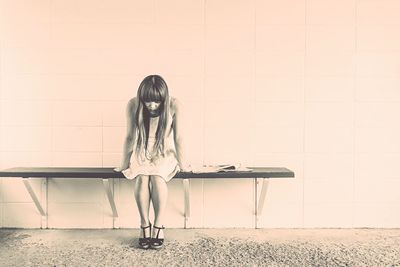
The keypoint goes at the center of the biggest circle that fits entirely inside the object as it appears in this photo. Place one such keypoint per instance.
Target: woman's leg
(142, 196)
(159, 195)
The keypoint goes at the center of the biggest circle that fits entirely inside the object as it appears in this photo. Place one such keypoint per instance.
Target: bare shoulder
(175, 105)
(132, 104)
(131, 108)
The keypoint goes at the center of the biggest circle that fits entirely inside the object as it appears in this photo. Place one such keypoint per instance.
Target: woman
(153, 153)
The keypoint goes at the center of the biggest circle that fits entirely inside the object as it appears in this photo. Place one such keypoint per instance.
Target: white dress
(165, 166)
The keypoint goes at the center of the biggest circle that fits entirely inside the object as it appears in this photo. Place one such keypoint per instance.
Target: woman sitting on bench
(152, 153)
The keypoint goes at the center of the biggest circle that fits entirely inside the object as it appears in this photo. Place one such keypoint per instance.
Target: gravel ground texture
(202, 247)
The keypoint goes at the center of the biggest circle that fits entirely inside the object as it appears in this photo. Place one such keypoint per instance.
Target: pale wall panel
(228, 201)
(335, 166)
(279, 88)
(329, 38)
(77, 113)
(373, 12)
(76, 159)
(329, 88)
(376, 166)
(222, 37)
(183, 12)
(279, 63)
(113, 113)
(329, 139)
(229, 62)
(378, 37)
(377, 114)
(111, 160)
(102, 35)
(287, 12)
(334, 12)
(78, 215)
(25, 34)
(178, 37)
(1, 213)
(370, 89)
(328, 215)
(374, 63)
(27, 87)
(186, 88)
(378, 190)
(377, 140)
(32, 60)
(278, 139)
(14, 191)
(376, 215)
(113, 139)
(335, 115)
(337, 63)
(237, 12)
(71, 190)
(280, 37)
(21, 215)
(186, 62)
(14, 138)
(106, 11)
(225, 88)
(275, 114)
(25, 11)
(323, 191)
(11, 159)
(26, 113)
(281, 215)
(88, 139)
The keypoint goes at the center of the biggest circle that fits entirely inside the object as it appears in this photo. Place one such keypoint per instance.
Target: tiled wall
(312, 85)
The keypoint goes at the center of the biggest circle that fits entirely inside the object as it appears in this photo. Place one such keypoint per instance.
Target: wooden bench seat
(27, 173)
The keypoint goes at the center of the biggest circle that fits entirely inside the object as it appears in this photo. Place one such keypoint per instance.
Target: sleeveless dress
(151, 163)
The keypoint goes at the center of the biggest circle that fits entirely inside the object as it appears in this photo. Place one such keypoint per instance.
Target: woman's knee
(142, 180)
(155, 179)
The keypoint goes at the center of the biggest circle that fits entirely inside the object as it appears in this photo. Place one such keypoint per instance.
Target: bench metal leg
(33, 195)
(262, 196)
(110, 196)
(186, 187)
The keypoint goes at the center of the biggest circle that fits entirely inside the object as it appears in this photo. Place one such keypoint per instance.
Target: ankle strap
(159, 228)
(145, 227)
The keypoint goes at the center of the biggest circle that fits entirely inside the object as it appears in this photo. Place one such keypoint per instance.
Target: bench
(108, 173)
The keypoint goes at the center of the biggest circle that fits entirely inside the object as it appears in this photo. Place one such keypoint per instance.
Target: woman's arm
(179, 141)
(130, 135)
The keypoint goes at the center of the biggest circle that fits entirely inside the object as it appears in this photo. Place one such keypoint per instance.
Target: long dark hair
(152, 88)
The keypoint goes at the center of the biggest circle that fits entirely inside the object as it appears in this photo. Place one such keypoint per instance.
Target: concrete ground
(202, 247)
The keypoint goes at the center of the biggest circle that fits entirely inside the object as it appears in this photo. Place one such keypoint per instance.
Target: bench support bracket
(261, 200)
(33, 195)
(186, 188)
(110, 196)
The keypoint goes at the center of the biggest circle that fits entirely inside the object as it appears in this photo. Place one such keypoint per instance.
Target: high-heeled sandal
(156, 242)
(144, 242)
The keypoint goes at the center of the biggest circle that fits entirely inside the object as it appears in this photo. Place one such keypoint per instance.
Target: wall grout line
(204, 104)
(304, 106)
(354, 113)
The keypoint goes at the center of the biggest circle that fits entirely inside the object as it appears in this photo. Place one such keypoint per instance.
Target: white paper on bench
(219, 168)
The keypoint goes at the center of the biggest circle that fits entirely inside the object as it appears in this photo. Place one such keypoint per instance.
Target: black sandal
(157, 243)
(144, 242)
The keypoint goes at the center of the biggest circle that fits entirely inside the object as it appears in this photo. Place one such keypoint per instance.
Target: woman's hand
(120, 169)
(185, 168)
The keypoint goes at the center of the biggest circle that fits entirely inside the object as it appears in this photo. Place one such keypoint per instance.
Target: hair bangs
(153, 93)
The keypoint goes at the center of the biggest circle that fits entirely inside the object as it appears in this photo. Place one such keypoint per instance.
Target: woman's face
(152, 106)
